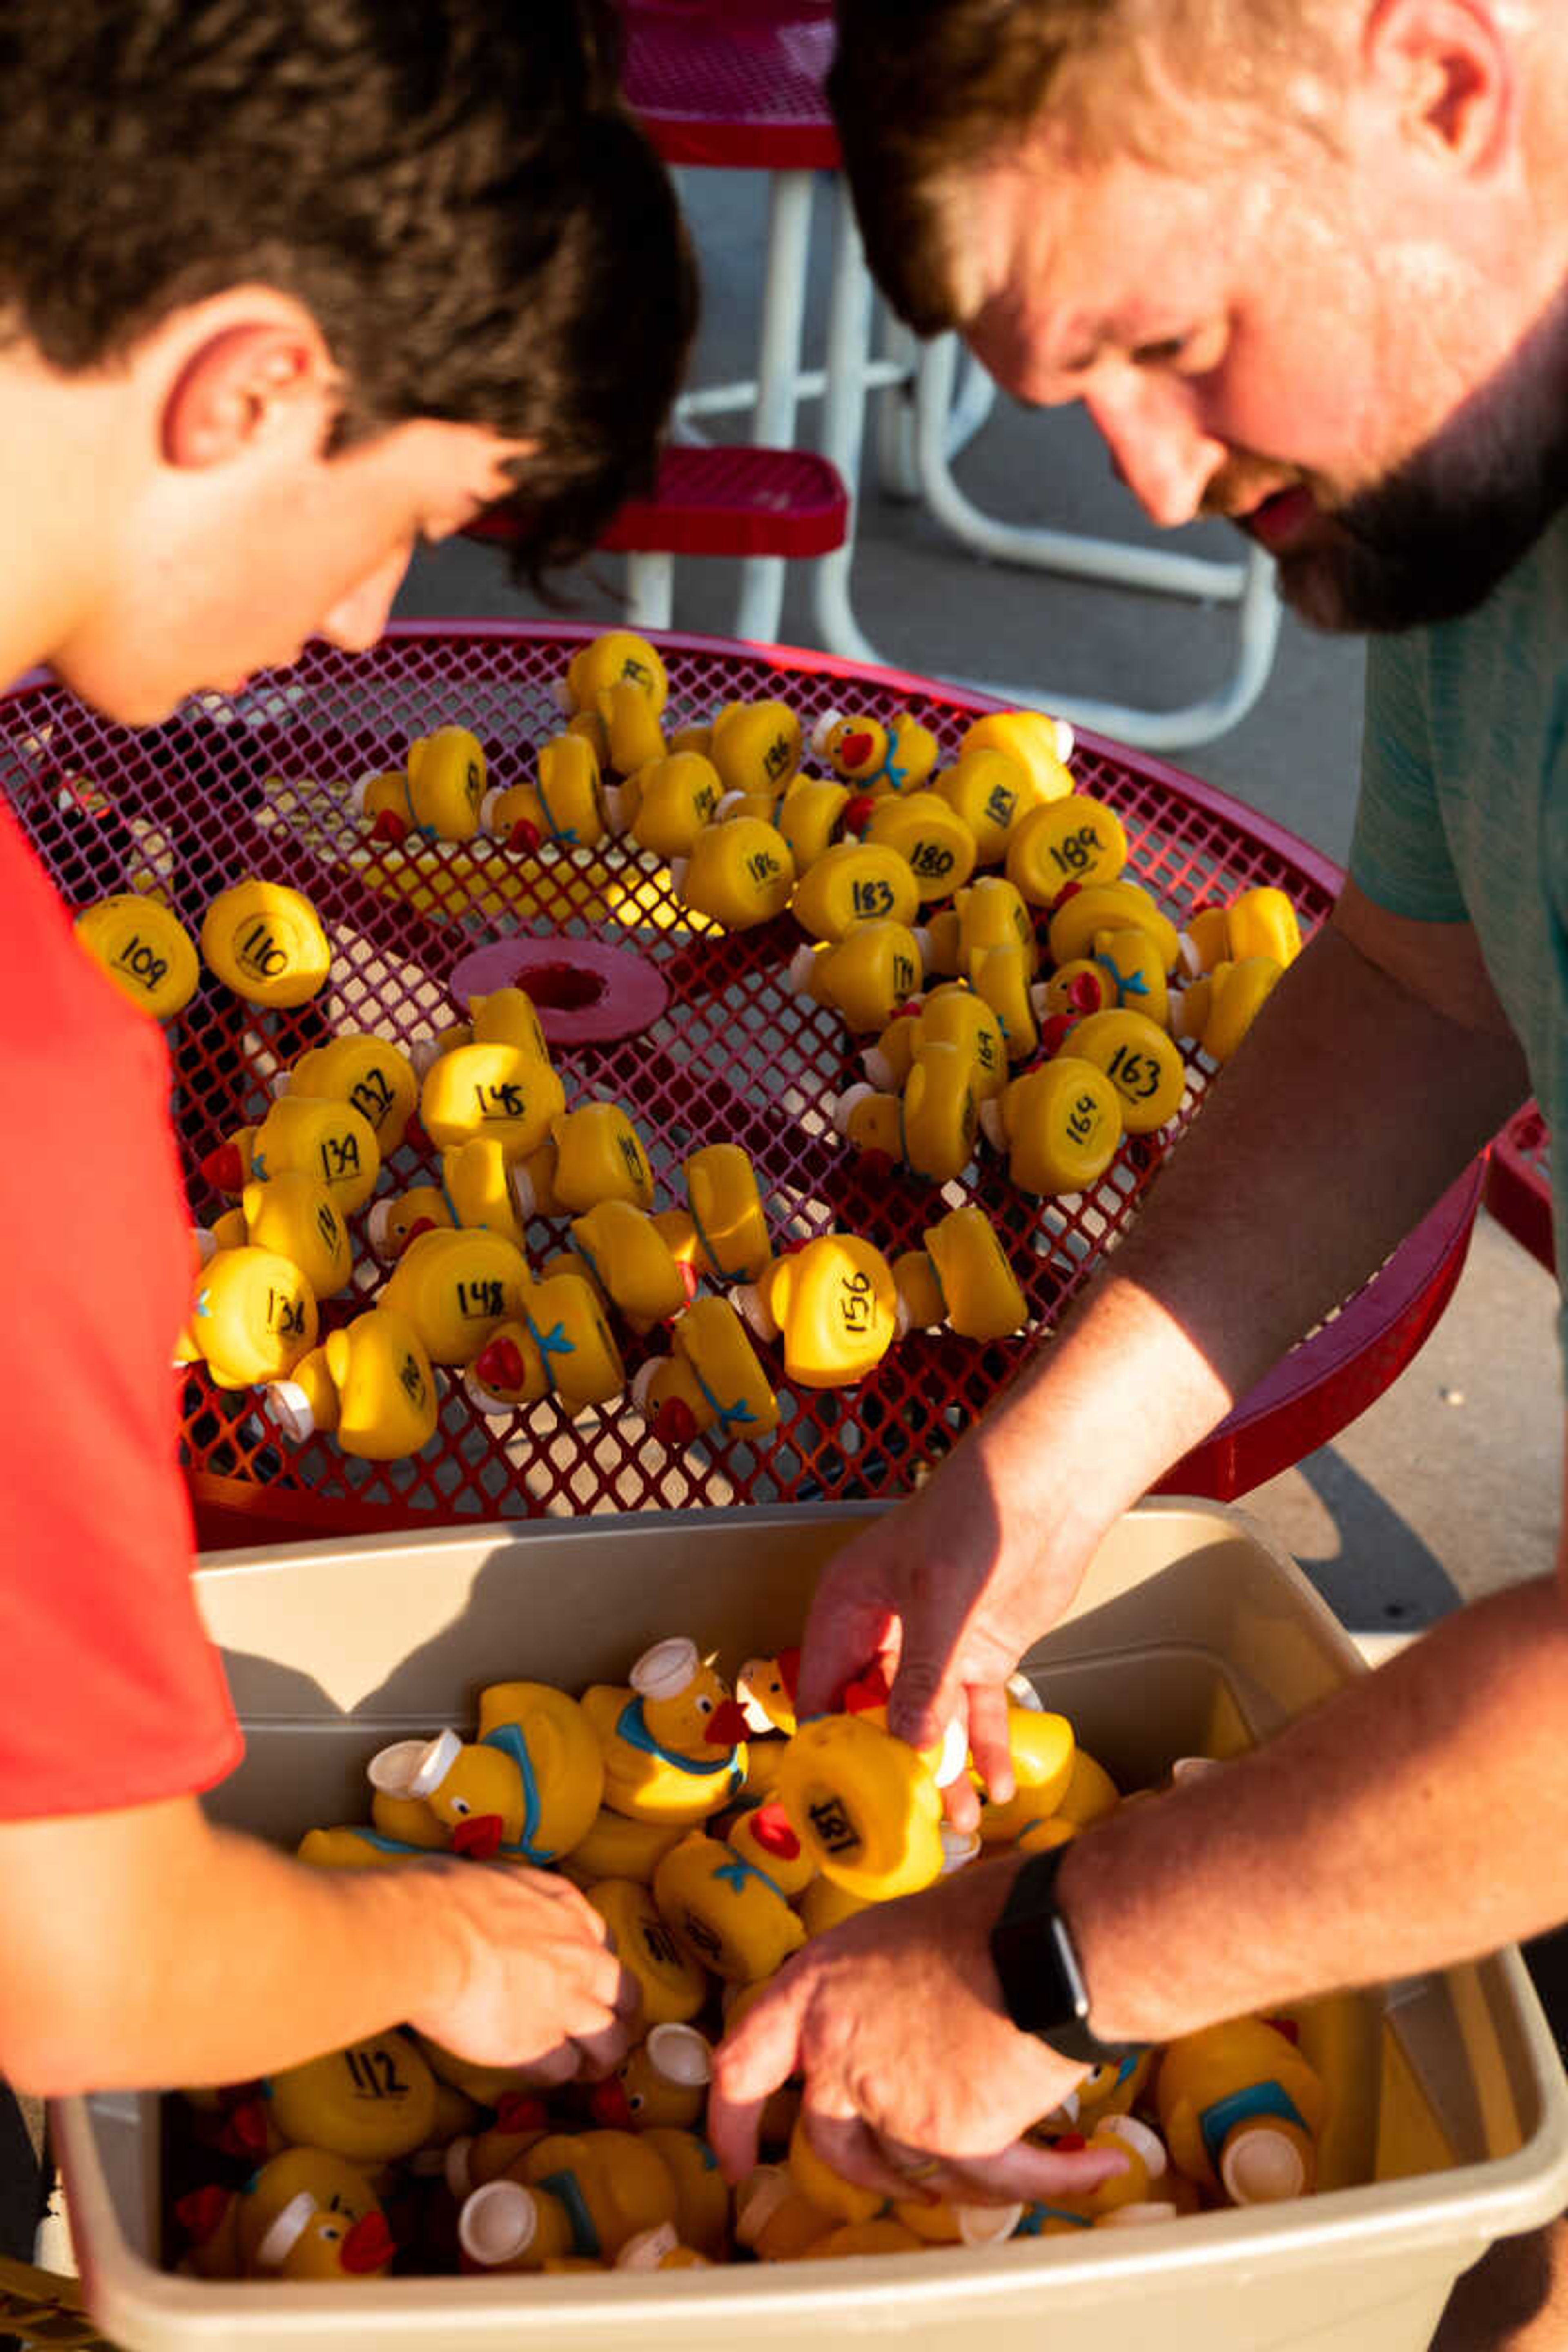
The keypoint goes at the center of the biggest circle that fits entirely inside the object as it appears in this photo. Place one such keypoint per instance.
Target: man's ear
(1445, 69)
(241, 387)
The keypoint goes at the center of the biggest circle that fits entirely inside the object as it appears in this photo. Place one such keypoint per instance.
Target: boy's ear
(241, 386)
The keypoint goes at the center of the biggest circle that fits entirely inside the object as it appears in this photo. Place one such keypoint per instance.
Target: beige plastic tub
(1191, 1635)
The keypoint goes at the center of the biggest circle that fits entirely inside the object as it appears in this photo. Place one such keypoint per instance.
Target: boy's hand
(537, 1984)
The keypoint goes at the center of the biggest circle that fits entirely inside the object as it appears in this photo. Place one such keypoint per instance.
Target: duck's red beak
(499, 1365)
(727, 1725)
(479, 1836)
(369, 2246)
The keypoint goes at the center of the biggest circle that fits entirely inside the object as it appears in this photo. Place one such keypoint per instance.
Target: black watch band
(1036, 1963)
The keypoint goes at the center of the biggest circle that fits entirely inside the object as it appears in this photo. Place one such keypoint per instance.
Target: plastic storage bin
(1190, 1635)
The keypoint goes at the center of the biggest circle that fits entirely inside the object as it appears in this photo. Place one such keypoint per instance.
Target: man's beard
(1432, 540)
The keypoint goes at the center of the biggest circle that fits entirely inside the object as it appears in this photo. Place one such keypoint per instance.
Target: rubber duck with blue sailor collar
(526, 1791)
(673, 1740)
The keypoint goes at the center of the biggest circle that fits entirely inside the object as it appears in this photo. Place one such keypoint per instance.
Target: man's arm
(1417, 1818)
(147, 1948)
(1380, 1065)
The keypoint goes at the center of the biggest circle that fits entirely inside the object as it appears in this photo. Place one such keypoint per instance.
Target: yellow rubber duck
(633, 736)
(880, 759)
(1131, 974)
(144, 950)
(306, 2214)
(776, 2220)
(618, 1848)
(437, 795)
(311, 1134)
(558, 1345)
(664, 2082)
(490, 1089)
(930, 1128)
(702, 2213)
(615, 2184)
(1110, 907)
(294, 1216)
(866, 1808)
(756, 746)
(960, 1279)
(843, 2200)
(834, 1302)
(810, 817)
(1141, 1060)
(990, 791)
(626, 1254)
(1217, 1011)
(665, 805)
(931, 836)
(370, 1074)
(991, 913)
(1060, 1125)
(765, 1689)
(724, 1230)
(1257, 922)
(952, 1014)
(1074, 839)
(672, 1986)
(1241, 2110)
(253, 1319)
(563, 804)
(710, 1384)
(476, 1188)
(615, 655)
(597, 1154)
(370, 1385)
(725, 1911)
(875, 966)
(471, 2158)
(1042, 1748)
(266, 942)
(457, 1287)
(855, 882)
(1041, 745)
(371, 2101)
(527, 1789)
(739, 874)
(762, 1836)
(673, 1742)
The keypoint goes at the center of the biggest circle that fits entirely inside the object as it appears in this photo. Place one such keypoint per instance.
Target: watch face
(1037, 1967)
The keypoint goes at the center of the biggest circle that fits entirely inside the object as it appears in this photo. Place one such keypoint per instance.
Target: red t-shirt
(110, 1694)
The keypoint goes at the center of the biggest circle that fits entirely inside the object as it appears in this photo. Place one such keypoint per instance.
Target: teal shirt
(1464, 806)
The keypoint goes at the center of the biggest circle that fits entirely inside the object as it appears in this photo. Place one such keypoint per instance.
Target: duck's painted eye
(330, 2235)
(636, 2102)
(704, 1706)
(461, 1805)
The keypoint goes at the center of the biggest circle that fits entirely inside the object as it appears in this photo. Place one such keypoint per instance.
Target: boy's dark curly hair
(452, 187)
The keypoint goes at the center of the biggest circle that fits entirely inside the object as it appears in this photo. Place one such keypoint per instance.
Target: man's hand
(894, 2020)
(942, 1595)
(539, 1984)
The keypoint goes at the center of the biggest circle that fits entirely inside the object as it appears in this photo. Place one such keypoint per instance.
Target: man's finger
(988, 1741)
(845, 1633)
(850, 2145)
(748, 2065)
(603, 2048)
(1025, 2173)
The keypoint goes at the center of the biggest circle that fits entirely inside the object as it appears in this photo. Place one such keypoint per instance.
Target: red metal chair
(725, 500)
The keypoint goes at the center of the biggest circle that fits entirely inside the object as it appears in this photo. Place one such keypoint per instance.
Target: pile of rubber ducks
(715, 1834)
(1016, 992)
(992, 881)
(460, 1294)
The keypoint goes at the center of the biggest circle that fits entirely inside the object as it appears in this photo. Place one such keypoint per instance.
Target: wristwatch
(1035, 1957)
